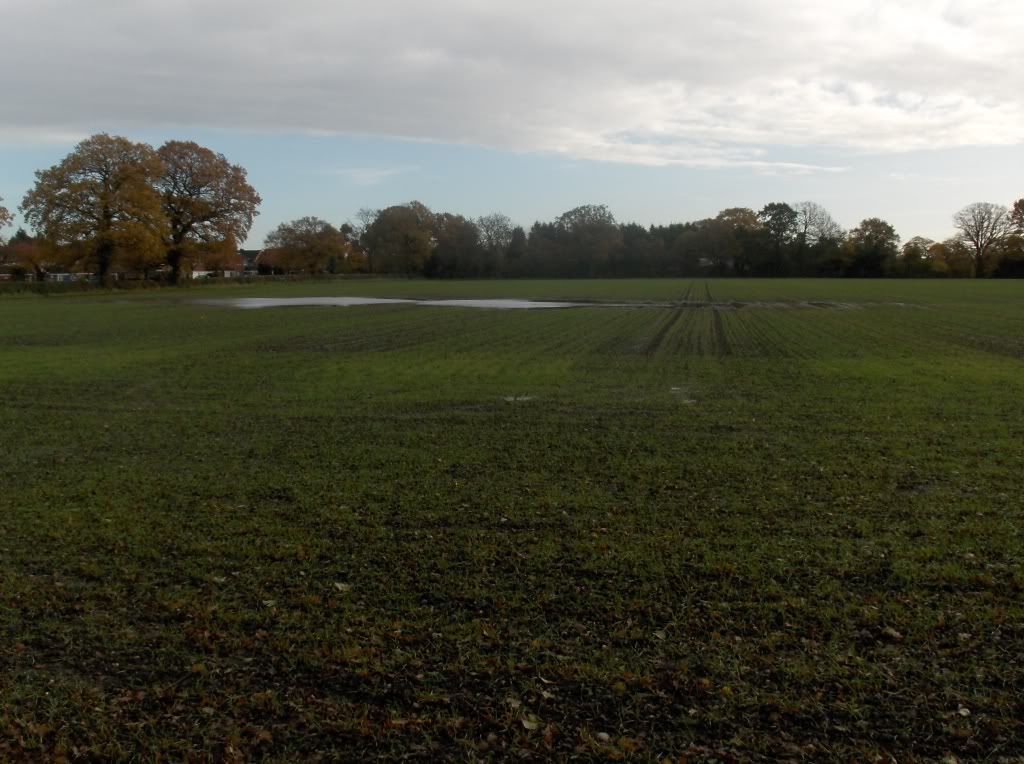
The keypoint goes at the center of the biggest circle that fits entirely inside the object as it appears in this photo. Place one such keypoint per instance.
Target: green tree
(516, 252)
(914, 259)
(983, 226)
(101, 201)
(779, 223)
(710, 246)
(400, 239)
(874, 245)
(588, 235)
(1010, 262)
(641, 252)
(457, 248)
(207, 201)
(747, 230)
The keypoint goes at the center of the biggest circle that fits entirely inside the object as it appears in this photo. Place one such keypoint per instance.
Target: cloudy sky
(666, 110)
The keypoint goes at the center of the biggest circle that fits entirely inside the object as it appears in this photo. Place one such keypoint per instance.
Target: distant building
(249, 259)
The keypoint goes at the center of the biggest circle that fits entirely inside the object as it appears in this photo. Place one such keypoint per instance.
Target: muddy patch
(681, 395)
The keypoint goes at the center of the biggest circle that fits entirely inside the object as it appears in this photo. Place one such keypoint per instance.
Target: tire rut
(659, 338)
(721, 339)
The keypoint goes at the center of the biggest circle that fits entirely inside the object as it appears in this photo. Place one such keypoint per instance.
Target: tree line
(780, 239)
(114, 206)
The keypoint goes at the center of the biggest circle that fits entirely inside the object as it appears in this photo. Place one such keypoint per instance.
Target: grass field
(786, 528)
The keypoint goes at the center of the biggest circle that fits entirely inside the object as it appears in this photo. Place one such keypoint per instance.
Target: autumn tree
(207, 200)
(220, 255)
(308, 244)
(983, 226)
(100, 201)
(739, 217)
(27, 255)
(952, 257)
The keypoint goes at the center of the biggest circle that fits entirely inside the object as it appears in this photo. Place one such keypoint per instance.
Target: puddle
(252, 303)
(501, 304)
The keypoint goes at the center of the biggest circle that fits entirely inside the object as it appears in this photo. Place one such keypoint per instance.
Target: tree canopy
(1017, 215)
(206, 199)
(101, 202)
(983, 226)
(400, 239)
(308, 244)
(874, 245)
(5, 218)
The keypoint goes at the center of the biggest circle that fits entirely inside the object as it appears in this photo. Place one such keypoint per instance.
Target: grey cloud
(701, 83)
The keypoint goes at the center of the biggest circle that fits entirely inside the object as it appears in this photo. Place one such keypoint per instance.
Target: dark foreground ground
(788, 527)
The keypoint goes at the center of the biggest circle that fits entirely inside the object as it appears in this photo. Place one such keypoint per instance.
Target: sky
(664, 110)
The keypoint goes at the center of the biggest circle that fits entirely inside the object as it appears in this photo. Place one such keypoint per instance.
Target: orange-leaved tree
(99, 202)
(207, 200)
(29, 255)
(309, 244)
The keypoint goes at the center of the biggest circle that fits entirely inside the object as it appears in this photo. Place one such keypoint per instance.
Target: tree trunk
(174, 257)
(979, 263)
(104, 258)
